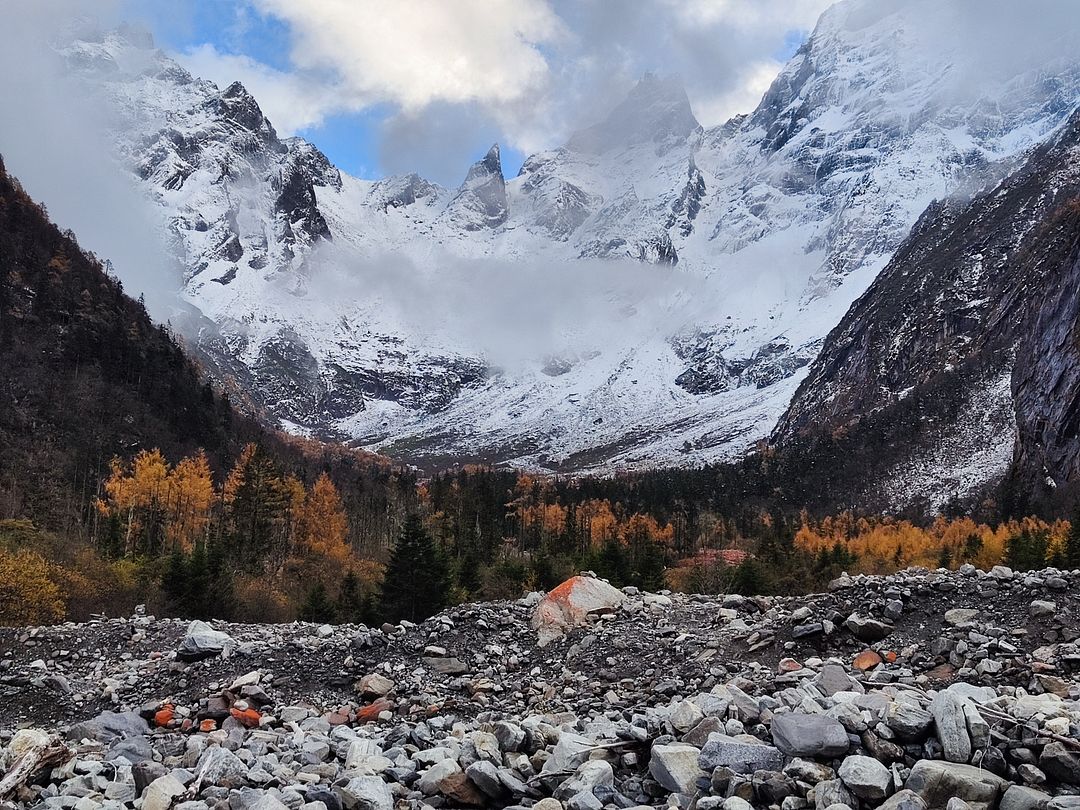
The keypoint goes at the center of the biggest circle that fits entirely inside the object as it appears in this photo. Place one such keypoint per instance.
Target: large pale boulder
(936, 782)
(570, 604)
(203, 641)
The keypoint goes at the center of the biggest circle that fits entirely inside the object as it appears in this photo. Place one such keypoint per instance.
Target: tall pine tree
(417, 582)
(1072, 543)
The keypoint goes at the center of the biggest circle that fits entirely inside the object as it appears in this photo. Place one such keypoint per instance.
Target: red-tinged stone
(942, 673)
(187, 725)
(371, 712)
(788, 665)
(340, 717)
(890, 656)
(867, 659)
(207, 725)
(164, 715)
(249, 718)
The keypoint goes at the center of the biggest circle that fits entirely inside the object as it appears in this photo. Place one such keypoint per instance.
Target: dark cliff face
(981, 291)
(1046, 380)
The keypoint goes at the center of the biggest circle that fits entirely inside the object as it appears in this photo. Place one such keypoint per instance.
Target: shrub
(27, 593)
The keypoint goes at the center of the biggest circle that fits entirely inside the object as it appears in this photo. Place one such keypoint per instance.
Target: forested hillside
(85, 378)
(125, 477)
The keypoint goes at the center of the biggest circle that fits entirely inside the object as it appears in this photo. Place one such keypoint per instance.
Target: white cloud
(524, 72)
(292, 101)
(743, 97)
(781, 15)
(415, 52)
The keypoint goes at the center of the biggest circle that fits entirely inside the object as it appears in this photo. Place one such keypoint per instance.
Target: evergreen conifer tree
(1072, 543)
(173, 581)
(417, 581)
(197, 587)
(317, 606)
(748, 579)
(351, 606)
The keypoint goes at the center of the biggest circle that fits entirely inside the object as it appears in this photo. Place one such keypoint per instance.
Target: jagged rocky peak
(481, 201)
(237, 105)
(656, 111)
(316, 165)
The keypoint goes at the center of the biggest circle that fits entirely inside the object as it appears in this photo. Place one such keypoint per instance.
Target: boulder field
(923, 690)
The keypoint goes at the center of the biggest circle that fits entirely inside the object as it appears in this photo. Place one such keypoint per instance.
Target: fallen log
(44, 753)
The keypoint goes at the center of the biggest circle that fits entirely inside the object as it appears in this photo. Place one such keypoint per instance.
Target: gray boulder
(867, 629)
(109, 727)
(722, 751)
(936, 782)
(1060, 763)
(833, 792)
(219, 766)
(910, 722)
(950, 721)
(904, 800)
(591, 774)
(203, 641)
(675, 767)
(1019, 797)
(866, 778)
(161, 792)
(365, 793)
(809, 735)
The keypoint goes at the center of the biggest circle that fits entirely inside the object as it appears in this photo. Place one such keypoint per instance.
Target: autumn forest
(129, 475)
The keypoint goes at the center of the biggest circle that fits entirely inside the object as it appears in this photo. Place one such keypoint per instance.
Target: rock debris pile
(917, 691)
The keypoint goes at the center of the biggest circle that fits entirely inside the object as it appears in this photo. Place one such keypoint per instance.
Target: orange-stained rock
(372, 711)
(164, 715)
(570, 604)
(248, 717)
(890, 656)
(867, 659)
(207, 725)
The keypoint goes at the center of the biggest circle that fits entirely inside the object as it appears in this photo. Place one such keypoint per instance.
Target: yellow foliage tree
(27, 593)
(190, 500)
(323, 540)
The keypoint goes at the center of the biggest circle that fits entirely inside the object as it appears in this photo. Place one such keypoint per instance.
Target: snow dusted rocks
(661, 702)
(570, 604)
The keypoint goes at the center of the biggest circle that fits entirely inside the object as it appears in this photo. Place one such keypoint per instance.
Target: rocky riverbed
(917, 690)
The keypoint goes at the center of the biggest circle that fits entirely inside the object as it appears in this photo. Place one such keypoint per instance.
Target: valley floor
(836, 698)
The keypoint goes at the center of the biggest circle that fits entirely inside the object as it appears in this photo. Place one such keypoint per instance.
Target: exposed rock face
(611, 722)
(481, 200)
(973, 324)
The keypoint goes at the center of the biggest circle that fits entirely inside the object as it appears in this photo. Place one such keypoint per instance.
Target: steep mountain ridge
(974, 321)
(721, 257)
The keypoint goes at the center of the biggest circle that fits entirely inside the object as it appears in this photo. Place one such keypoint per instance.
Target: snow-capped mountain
(651, 292)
